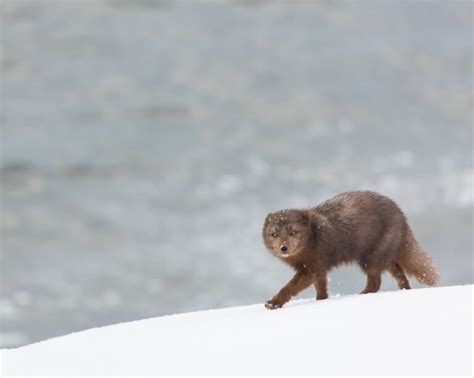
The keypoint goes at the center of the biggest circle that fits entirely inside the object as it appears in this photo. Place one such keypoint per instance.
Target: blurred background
(143, 143)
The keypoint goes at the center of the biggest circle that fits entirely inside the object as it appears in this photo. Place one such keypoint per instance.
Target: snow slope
(425, 331)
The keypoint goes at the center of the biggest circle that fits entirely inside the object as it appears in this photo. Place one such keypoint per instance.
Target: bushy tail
(416, 262)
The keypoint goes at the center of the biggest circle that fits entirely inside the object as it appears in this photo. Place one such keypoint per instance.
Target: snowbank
(426, 331)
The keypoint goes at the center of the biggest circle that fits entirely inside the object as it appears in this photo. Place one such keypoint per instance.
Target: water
(144, 142)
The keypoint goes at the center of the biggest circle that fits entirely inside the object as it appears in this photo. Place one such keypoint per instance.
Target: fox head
(286, 232)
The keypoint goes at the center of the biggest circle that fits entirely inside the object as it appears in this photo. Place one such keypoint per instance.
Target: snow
(415, 332)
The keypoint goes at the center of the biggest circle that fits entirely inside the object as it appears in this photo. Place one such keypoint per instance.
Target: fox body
(354, 227)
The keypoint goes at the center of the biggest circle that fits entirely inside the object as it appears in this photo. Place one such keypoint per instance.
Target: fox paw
(273, 304)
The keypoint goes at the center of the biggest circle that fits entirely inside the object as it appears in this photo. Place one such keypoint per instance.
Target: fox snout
(284, 248)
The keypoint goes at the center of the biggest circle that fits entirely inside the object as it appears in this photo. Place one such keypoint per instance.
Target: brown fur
(362, 227)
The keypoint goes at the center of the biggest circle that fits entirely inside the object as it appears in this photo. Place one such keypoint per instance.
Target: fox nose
(283, 248)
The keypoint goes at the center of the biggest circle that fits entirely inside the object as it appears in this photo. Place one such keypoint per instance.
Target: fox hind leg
(399, 275)
(374, 280)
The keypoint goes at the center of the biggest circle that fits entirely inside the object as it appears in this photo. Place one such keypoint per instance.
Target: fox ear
(315, 224)
(268, 219)
(305, 218)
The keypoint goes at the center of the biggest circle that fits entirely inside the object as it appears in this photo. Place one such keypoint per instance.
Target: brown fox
(362, 227)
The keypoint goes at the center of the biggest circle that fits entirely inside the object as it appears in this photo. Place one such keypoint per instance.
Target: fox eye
(274, 234)
(293, 233)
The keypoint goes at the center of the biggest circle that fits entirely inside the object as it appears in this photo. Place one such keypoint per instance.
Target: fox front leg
(299, 282)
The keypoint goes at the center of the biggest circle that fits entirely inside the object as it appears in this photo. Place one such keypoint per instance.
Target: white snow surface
(415, 332)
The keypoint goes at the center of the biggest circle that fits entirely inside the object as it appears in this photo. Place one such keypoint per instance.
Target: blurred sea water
(143, 143)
